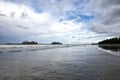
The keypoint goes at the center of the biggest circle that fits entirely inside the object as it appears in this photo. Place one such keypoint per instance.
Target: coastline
(108, 44)
(20, 48)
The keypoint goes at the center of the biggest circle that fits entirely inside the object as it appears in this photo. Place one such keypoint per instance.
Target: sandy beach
(20, 48)
(85, 62)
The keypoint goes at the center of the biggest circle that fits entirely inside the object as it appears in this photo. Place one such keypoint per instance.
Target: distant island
(110, 41)
(29, 42)
(56, 43)
(34, 42)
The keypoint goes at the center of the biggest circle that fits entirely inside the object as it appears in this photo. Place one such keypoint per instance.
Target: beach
(83, 62)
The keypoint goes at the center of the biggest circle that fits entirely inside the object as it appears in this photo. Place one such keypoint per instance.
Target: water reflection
(115, 48)
(71, 63)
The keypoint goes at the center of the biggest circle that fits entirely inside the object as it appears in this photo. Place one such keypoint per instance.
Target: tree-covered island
(110, 41)
(29, 42)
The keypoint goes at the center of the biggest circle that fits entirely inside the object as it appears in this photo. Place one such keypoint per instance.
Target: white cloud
(32, 23)
(22, 20)
(57, 6)
(36, 26)
(66, 26)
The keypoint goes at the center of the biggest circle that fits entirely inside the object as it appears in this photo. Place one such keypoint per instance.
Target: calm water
(88, 62)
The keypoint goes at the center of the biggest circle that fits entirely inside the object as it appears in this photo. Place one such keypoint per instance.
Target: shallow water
(85, 62)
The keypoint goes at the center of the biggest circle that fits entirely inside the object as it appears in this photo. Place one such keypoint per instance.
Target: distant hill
(110, 41)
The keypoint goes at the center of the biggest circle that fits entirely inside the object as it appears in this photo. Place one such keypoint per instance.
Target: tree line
(110, 41)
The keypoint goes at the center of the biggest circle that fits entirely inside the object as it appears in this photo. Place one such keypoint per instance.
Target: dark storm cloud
(112, 13)
(108, 3)
(108, 19)
(112, 17)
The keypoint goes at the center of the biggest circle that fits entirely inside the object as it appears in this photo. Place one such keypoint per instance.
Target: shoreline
(108, 44)
(21, 48)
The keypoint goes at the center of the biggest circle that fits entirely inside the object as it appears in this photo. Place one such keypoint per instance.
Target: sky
(66, 21)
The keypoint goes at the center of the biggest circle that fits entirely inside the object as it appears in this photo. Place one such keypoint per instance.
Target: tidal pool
(84, 62)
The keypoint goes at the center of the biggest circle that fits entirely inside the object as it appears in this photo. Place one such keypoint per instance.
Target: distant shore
(109, 44)
(19, 48)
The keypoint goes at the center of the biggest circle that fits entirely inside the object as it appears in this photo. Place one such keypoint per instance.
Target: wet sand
(67, 63)
(22, 48)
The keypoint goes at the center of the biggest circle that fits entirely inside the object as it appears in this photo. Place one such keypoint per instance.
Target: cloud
(108, 3)
(22, 22)
(59, 20)
(107, 16)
